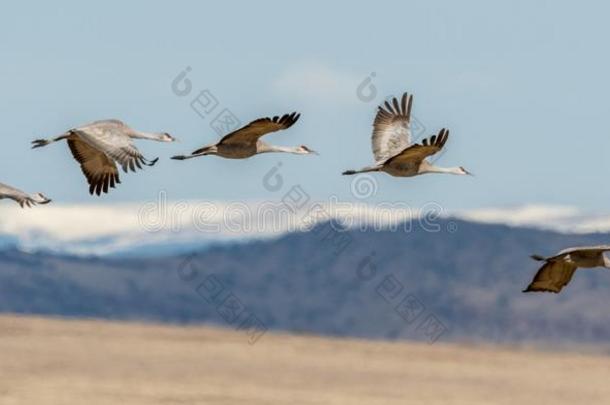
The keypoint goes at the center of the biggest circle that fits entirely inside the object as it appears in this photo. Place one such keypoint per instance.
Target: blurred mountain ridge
(460, 283)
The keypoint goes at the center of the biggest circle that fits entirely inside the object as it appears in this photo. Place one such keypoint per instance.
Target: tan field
(89, 362)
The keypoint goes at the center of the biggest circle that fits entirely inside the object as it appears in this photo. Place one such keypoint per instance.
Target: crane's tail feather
(538, 258)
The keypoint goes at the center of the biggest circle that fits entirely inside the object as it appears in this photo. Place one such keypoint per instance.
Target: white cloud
(318, 83)
(557, 218)
(68, 222)
(521, 216)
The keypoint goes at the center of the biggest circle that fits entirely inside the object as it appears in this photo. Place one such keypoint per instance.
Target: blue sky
(522, 85)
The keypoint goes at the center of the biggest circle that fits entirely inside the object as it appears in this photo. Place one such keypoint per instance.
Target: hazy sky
(523, 86)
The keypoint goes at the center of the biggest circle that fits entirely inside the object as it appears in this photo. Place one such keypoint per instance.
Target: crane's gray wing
(552, 276)
(114, 144)
(109, 123)
(101, 172)
(250, 133)
(22, 198)
(392, 128)
(418, 152)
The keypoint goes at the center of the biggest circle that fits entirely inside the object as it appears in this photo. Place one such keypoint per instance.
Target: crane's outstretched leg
(363, 170)
(39, 143)
(185, 157)
(206, 150)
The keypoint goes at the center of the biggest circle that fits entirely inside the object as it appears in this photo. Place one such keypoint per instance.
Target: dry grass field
(46, 361)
